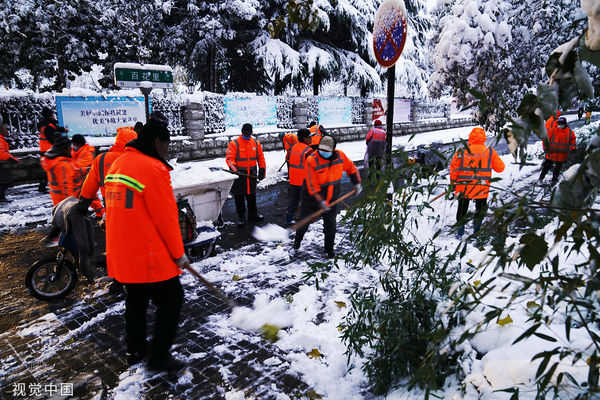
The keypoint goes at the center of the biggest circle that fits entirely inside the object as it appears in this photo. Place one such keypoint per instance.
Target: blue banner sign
(335, 111)
(258, 111)
(97, 115)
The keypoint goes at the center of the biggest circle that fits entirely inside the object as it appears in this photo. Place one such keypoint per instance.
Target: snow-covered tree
(496, 50)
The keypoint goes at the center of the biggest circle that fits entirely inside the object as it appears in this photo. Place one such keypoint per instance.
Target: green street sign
(128, 75)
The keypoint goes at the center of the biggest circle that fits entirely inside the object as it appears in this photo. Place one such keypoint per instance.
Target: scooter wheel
(44, 283)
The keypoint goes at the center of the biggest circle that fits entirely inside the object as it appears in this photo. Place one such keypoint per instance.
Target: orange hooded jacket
(560, 142)
(289, 139)
(324, 177)
(296, 159)
(471, 167)
(143, 237)
(244, 155)
(95, 178)
(4, 151)
(83, 157)
(316, 136)
(64, 178)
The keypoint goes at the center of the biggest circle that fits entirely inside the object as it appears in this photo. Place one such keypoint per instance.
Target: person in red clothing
(470, 173)
(83, 156)
(324, 170)
(144, 248)
(376, 145)
(245, 156)
(561, 140)
(296, 160)
(6, 159)
(64, 177)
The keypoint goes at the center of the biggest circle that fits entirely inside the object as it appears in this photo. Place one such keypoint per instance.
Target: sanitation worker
(470, 173)
(296, 160)
(288, 140)
(376, 145)
(6, 159)
(83, 156)
(144, 249)
(64, 176)
(324, 169)
(96, 176)
(245, 157)
(47, 128)
(316, 132)
(561, 140)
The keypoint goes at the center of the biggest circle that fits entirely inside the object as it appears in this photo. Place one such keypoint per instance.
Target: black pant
(549, 164)
(463, 209)
(167, 297)
(309, 206)
(294, 193)
(3, 188)
(240, 205)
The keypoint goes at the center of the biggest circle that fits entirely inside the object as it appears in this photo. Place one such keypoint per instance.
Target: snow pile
(270, 233)
(264, 312)
(190, 174)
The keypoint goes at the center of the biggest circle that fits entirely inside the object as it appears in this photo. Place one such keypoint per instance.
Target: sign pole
(389, 119)
(146, 92)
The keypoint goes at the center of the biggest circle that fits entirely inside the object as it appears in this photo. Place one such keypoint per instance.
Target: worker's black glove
(261, 173)
(83, 205)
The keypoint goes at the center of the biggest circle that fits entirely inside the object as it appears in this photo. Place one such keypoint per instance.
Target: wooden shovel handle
(314, 215)
(232, 304)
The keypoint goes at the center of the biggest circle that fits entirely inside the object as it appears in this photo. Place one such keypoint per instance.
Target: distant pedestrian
(6, 161)
(580, 112)
(470, 173)
(83, 156)
(64, 176)
(324, 170)
(144, 248)
(561, 140)
(376, 143)
(288, 140)
(588, 117)
(47, 128)
(245, 157)
(296, 160)
(316, 132)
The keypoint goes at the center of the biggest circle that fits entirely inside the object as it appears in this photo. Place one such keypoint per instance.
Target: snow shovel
(217, 292)
(275, 233)
(233, 173)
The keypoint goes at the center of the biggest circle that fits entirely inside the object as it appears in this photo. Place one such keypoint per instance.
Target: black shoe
(5, 200)
(296, 245)
(170, 365)
(43, 190)
(115, 288)
(241, 223)
(256, 218)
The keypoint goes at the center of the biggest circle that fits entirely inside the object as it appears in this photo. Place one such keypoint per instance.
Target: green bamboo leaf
(527, 333)
(545, 337)
(534, 249)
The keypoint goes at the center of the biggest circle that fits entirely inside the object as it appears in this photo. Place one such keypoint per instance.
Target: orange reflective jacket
(45, 144)
(245, 156)
(289, 139)
(315, 138)
(4, 151)
(95, 178)
(376, 134)
(142, 221)
(323, 177)
(296, 160)
(83, 157)
(471, 168)
(64, 178)
(560, 142)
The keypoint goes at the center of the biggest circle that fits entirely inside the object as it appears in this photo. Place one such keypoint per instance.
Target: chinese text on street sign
(389, 32)
(129, 75)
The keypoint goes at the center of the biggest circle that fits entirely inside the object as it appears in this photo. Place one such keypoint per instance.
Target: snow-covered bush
(358, 110)
(214, 114)
(312, 109)
(285, 109)
(22, 110)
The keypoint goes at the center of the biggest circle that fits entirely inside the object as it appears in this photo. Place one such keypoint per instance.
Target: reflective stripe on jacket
(560, 142)
(64, 178)
(471, 167)
(296, 159)
(289, 139)
(315, 138)
(143, 237)
(95, 178)
(323, 177)
(375, 142)
(245, 156)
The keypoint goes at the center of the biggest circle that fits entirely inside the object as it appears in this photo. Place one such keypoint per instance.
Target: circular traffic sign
(389, 32)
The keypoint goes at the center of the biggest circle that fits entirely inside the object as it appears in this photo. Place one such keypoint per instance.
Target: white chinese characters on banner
(99, 116)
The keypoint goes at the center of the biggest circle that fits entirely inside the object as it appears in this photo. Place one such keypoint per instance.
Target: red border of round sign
(390, 63)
